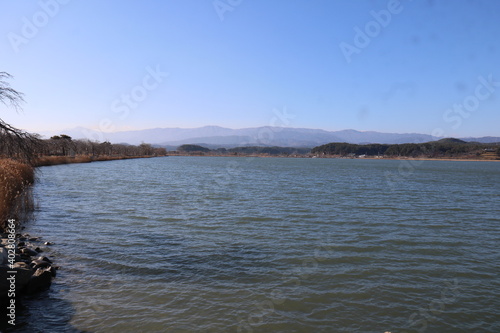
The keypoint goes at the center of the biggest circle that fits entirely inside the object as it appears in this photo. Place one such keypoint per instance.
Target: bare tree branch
(15, 143)
(7, 94)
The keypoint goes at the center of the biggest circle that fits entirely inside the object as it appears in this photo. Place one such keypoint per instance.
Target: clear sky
(390, 66)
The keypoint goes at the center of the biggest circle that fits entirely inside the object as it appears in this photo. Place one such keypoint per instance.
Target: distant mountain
(484, 139)
(215, 136)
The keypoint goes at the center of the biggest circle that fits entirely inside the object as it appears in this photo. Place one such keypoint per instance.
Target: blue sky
(416, 66)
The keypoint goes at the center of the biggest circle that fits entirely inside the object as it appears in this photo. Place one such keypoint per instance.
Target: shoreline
(431, 159)
(459, 159)
(60, 160)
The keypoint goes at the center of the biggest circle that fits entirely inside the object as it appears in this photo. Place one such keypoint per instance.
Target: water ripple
(302, 245)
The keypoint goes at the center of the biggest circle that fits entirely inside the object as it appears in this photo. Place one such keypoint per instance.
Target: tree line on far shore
(191, 149)
(444, 148)
(449, 147)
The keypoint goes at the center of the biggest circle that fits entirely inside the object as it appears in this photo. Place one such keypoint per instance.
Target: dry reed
(56, 160)
(15, 180)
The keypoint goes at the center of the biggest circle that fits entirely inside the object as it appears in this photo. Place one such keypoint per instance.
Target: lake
(222, 244)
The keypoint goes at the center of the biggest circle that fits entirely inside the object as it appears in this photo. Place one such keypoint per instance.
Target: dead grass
(15, 180)
(113, 158)
(56, 160)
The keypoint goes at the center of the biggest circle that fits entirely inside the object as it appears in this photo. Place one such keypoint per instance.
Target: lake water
(219, 244)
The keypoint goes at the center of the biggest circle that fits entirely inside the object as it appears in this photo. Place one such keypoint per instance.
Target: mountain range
(215, 137)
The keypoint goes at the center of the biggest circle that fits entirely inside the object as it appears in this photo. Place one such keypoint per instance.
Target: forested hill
(246, 150)
(449, 147)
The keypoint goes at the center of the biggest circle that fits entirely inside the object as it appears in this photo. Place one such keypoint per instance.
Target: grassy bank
(15, 179)
(56, 160)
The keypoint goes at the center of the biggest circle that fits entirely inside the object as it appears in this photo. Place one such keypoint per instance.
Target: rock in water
(53, 271)
(41, 280)
(44, 259)
(29, 252)
(38, 263)
(21, 264)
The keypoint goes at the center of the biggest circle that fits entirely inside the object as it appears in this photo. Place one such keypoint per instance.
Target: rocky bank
(34, 271)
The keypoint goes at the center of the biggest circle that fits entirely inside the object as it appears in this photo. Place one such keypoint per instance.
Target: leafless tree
(14, 143)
